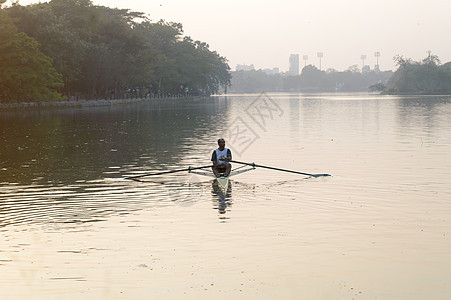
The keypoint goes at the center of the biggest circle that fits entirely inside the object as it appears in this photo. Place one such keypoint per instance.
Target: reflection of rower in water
(221, 158)
(222, 201)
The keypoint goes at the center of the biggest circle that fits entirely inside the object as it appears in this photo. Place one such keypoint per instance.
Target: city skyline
(294, 60)
(294, 64)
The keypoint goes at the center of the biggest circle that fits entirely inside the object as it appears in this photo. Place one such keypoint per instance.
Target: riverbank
(90, 103)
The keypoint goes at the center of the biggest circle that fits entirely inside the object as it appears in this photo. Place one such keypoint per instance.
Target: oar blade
(321, 175)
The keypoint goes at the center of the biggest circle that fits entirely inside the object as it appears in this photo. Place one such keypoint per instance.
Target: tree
(100, 51)
(423, 77)
(353, 69)
(431, 59)
(58, 38)
(378, 87)
(26, 74)
(183, 64)
(312, 78)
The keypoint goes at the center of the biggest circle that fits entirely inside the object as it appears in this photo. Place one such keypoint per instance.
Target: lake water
(71, 226)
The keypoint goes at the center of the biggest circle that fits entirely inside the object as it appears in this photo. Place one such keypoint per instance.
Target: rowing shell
(223, 182)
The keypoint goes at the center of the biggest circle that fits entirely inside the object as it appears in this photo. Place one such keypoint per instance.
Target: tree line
(311, 79)
(424, 77)
(74, 49)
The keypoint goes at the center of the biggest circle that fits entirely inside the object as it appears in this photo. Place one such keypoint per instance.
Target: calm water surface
(71, 226)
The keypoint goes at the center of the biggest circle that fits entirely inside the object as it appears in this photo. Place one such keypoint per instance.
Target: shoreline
(90, 103)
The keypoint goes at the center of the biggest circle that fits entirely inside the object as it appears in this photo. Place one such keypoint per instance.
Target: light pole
(305, 57)
(320, 55)
(377, 54)
(363, 57)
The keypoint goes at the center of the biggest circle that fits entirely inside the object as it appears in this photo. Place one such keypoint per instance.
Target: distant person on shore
(221, 158)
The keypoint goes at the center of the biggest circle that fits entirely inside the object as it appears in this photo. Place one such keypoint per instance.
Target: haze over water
(378, 228)
(265, 33)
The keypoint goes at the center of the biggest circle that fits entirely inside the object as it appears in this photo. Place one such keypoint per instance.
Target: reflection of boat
(223, 180)
(222, 199)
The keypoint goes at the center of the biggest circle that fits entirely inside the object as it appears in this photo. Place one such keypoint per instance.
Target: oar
(168, 172)
(278, 169)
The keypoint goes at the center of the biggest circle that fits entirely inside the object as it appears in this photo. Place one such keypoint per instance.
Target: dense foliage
(427, 77)
(310, 80)
(25, 72)
(103, 52)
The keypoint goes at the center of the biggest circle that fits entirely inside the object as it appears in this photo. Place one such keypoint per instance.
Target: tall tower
(320, 56)
(376, 67)
(363, 57)
(294, 64)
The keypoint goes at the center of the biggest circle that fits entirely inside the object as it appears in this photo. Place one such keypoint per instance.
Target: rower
(221, 158)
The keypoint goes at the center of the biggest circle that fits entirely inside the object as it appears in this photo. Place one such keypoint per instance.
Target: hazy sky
(265, 33)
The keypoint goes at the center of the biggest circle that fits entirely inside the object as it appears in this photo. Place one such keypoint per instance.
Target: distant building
(245, 67)
(366, 69)
(294, 64)
(272, 71)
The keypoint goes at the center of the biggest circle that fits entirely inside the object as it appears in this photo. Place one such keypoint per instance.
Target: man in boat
(221, 158)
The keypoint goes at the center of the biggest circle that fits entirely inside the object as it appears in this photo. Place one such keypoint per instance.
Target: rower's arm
(214, 159)
(229, 155)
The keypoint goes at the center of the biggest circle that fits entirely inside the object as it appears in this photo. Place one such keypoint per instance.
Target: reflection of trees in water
(56, 205)
(68, 145)
(222, 200)
(430, 105)
(93, 201)
(424, 114)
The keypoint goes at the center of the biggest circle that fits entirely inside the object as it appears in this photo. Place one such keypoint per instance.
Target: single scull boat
(223, 181)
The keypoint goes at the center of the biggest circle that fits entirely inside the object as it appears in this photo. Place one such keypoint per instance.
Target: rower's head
(221, 144)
